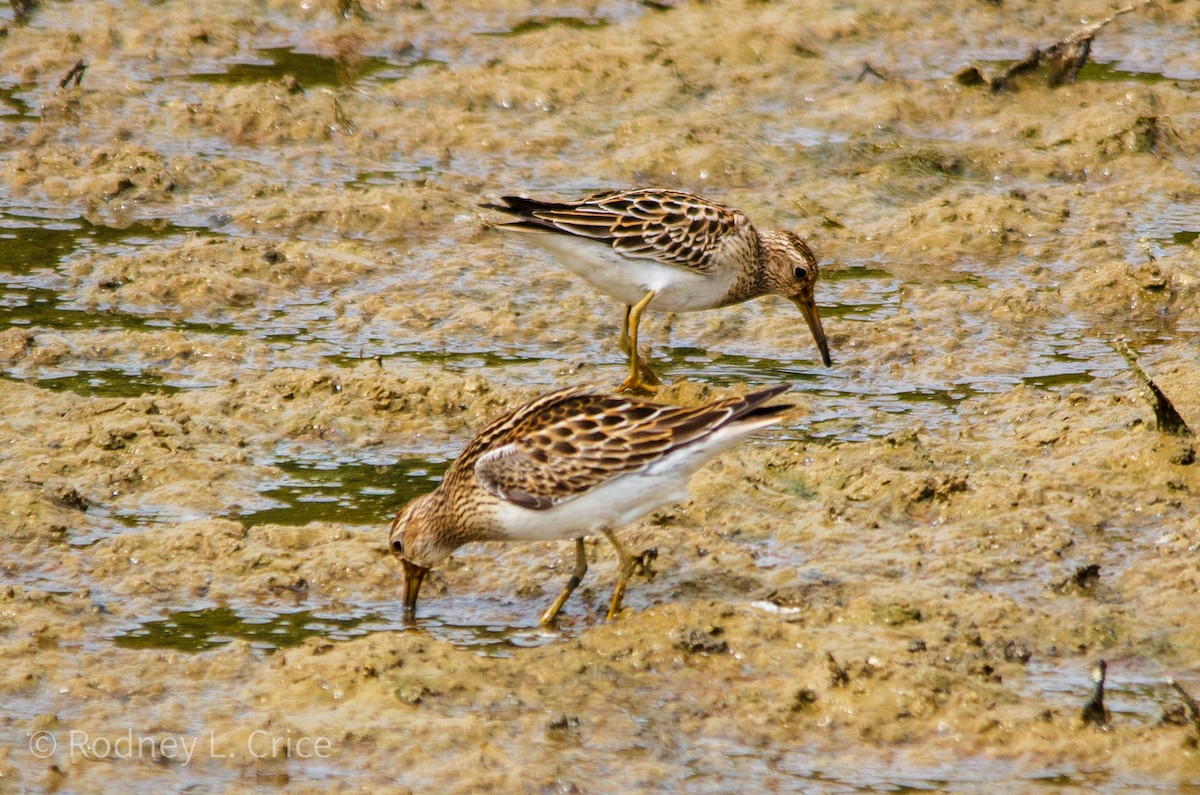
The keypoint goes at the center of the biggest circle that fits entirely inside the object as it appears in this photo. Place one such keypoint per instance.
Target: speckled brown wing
(575, 444)
(536, 413)
(670, 227)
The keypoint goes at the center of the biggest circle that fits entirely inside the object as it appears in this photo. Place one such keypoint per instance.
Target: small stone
(896, 614)
(1084, 578)
(701, 641)
(1186, 455)
(971, 76)
(804, 700)
(410, 692)
(1015, 651)
(562, 722)
(1174, 715)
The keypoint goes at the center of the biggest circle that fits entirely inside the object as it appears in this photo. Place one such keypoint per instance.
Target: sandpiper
(572, 463)
(671, 251)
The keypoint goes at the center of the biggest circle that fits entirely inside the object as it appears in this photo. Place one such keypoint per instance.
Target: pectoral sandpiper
(572, 463)
(671, 251)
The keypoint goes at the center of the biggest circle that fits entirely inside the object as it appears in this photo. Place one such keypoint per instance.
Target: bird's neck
(750, 281)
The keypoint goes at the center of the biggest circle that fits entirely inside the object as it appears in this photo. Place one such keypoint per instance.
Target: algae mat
(250, 305)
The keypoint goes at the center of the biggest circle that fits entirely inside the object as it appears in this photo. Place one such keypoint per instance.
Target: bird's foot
(641, 379)
(635, 383)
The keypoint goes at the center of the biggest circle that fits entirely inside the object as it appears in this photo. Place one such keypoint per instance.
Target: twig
(838, 675)
(1190, 705)
(1064, 58)
(1094, 711)
(23, 9)
(873, 71)
(1165, 413)
(76, 72)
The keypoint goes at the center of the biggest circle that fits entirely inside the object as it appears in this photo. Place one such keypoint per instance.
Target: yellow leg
(641, 377)
(572, 583)
(628, 562)
(648, 378)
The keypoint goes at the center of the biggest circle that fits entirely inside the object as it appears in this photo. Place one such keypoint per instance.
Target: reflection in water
(13, 107)
(907, 773)
(33, 295)
(273, 63)
(1134, 690)
(110, 383)
(873, 399)
(1107, 72)
(1091, 71)
(854, 273)
(488, 640)
(345, 492)
(29, 242)
(455, 361)
(856, 409)
(202, 629)
(535, 24)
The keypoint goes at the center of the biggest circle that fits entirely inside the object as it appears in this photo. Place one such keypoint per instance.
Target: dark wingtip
(525, 211)
(505, 205)
(771, 391)
(517, 205)
(752, 403)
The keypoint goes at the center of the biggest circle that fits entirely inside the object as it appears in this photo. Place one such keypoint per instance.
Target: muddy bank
(251, 305)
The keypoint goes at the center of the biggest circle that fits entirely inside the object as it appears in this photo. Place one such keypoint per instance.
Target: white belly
(609, 506)
(627, 279)
(622, 500)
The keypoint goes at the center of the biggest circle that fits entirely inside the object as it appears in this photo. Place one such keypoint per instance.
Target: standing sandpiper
(569, 464)
(670, 250)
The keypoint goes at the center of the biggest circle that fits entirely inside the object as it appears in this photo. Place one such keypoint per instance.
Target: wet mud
(249, 305)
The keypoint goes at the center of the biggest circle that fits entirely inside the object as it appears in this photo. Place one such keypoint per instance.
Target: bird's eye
(398, 547)
(800, 273)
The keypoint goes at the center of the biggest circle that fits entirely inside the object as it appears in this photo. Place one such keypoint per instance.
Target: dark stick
(76, 72)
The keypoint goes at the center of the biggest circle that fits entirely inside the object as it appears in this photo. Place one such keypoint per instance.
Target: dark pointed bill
(413, 576)
(808, 308)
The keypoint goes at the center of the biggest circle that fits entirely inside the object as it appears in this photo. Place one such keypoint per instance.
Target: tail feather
(745, 415)
(526, 212)
(751, 414)
(751, 405)
(520, 205)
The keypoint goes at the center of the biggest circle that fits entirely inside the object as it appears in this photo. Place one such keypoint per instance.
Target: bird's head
(420, 539)
(791, 271)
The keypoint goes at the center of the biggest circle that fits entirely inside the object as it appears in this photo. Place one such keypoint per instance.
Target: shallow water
(243, 324)
(349, 492)
(201, 630)
(274, 63)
